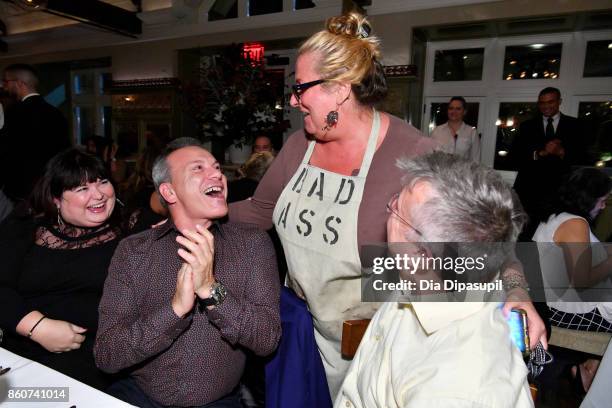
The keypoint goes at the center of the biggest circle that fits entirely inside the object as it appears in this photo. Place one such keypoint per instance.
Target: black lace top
(60, 271)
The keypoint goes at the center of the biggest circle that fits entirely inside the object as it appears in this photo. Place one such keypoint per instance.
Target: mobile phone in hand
(519, 333)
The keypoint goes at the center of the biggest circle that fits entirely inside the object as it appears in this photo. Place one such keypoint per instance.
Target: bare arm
(573, 237)
(258, 210)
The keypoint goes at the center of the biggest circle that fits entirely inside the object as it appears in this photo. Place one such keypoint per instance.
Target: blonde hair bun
(348, 52)
(352, 25)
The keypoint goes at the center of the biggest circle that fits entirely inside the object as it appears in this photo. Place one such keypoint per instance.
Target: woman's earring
(60, 222)
(332, 117)
(331, 120)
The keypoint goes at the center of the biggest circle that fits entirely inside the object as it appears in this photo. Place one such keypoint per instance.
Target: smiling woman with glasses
(326, 192)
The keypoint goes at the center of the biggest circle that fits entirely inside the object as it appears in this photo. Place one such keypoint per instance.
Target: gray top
(402, 140)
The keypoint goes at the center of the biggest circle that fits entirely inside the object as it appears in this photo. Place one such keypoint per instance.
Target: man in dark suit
(543, 153)
(34, 131)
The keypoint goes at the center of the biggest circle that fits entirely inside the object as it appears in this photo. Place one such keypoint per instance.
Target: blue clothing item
(295, 376)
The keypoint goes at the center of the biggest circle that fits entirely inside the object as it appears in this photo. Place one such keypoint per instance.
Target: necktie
(550, 129)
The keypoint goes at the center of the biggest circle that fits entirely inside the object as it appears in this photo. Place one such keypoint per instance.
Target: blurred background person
(543, 152)
(55, 264)
(263, 143)
(97, 145)
(571, 260)
(573, 263)
(251, 173)
(143, 207)
(33, 132)
(455, 136)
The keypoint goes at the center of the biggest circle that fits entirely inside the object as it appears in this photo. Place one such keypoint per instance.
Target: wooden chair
(353, 331)
(586, 342)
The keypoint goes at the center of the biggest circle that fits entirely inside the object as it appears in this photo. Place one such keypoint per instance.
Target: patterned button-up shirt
(199, 358)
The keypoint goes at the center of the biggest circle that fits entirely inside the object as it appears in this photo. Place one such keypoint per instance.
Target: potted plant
(232, 101)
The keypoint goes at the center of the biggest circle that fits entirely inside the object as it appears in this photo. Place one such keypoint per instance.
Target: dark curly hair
(65, 171)
(580, 191)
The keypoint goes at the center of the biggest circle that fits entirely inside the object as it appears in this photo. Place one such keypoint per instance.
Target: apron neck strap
(370, 149)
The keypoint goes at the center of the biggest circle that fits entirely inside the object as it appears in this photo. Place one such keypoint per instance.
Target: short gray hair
(161, 170)
(25, 73)
(472, 203)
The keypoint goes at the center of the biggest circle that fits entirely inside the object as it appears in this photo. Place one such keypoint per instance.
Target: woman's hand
(58, 336)
(519, 299)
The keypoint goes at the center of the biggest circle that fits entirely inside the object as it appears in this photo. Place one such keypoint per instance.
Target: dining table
(25, 383)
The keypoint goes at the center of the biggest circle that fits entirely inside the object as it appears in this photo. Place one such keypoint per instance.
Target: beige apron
(316, 220)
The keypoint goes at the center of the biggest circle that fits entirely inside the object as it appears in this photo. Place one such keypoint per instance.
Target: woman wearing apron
(326, 192)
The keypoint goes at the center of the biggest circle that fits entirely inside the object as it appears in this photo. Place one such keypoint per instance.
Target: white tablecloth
(27, 373)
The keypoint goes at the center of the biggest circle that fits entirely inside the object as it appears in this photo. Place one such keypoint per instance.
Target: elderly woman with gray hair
(442, 354)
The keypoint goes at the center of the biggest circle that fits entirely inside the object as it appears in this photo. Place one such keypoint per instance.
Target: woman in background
(455, 136)
(573, 264)
(251, 173)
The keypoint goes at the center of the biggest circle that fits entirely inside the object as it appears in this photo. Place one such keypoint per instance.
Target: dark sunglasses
(298, 89)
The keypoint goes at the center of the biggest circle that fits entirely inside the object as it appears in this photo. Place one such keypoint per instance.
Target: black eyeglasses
(392, 209)
(298, 89)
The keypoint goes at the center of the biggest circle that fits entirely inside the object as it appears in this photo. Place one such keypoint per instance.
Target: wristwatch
(217, 295)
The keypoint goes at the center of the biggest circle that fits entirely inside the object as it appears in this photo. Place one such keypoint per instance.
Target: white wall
(150, 59)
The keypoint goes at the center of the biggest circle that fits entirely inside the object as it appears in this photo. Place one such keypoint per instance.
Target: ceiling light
(538, 46)
(502, 153)
(509, 123)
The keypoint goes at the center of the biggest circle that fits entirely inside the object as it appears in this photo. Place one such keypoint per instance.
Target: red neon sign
(253, 51)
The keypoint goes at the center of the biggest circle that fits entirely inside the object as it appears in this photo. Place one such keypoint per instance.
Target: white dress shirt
(468, 361)
(466, 145)
(28, 95)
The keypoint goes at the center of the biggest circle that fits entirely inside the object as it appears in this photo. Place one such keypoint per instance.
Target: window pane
(223, 9)
(598, 116)
(458, 65)
(85, 126)
(257, 7)
(438, 114)
(107, 117)
(302, 4)
(534, 61)
(83, 83)
(511, 115)
(598, 61)
(104, 81)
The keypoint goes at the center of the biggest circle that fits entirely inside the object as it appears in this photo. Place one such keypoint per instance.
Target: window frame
(492, 90)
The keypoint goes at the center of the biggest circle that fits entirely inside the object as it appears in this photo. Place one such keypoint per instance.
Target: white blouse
(557, 287)
(466, 145)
